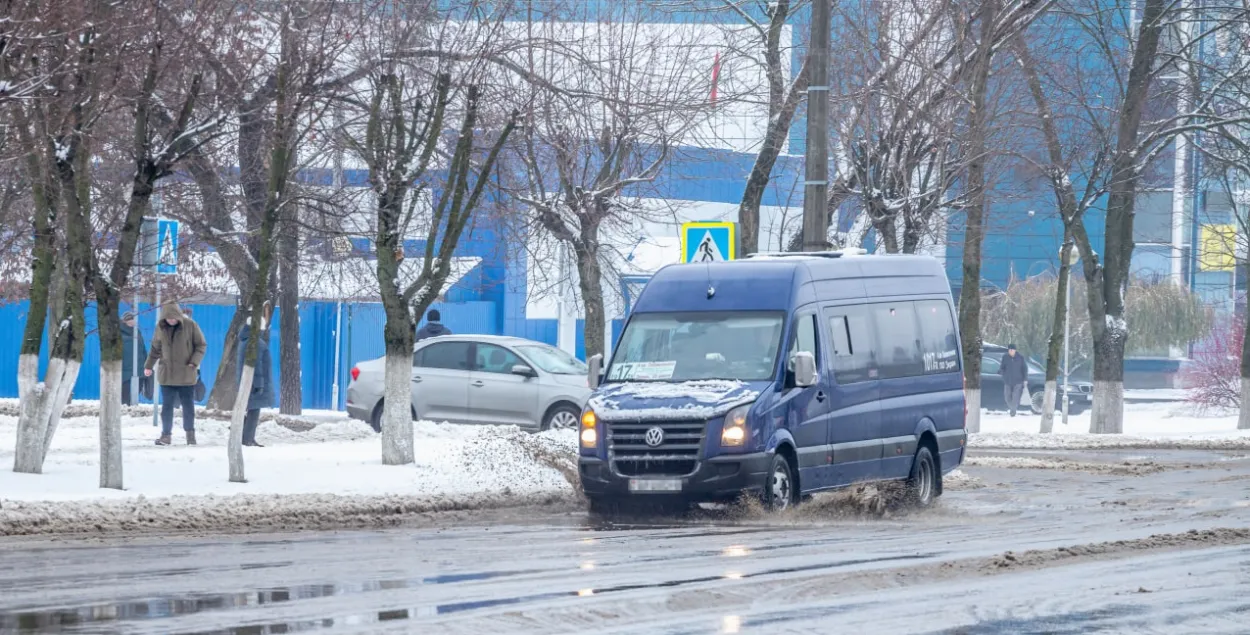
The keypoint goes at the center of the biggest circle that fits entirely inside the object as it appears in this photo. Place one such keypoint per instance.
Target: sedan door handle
(416, 379)
(478, 384)
(820, 396)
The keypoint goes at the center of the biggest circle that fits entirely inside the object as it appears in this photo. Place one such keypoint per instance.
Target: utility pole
(816, 173)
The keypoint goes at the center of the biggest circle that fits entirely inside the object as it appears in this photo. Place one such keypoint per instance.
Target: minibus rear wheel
(924, 483)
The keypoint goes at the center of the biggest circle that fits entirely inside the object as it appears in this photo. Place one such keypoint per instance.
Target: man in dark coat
(129, 332)
(1015, 373)
(262, 383)
(433, 326)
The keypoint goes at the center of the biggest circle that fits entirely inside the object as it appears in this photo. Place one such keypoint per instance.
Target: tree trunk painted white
(1108, 412)
(1243, 421)
(31, 395)
(397, 441)
(111, 425)
(234, 446)
(64, 387)
(40, 409)
(1048, 407)
(973, 422)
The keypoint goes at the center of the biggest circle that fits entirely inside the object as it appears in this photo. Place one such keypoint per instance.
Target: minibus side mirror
(594, 374)
(804, 364)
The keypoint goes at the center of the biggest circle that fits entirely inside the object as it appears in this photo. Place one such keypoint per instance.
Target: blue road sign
(166, 246)
(708, 241)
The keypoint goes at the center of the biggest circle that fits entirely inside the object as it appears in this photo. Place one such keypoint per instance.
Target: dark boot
(252, 444)
(190, 437)
(164, 440)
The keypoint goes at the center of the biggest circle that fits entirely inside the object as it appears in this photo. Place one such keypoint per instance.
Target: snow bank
(241, 512)
(327, 476)
(1123, 468)
(1146, 426)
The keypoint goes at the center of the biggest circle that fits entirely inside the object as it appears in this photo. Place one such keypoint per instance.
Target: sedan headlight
(734, 431)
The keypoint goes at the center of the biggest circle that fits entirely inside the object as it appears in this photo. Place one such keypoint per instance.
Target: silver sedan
(481, 379)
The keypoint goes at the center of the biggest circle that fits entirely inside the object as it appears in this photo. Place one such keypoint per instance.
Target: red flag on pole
(715, 75)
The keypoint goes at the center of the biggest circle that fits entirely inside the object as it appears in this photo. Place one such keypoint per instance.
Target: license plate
(654, 485)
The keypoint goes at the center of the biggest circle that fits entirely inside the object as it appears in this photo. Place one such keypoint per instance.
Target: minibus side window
(937, 329)
(898, 340)
(853, 359)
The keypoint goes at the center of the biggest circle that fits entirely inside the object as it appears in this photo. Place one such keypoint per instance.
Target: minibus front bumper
(721, 478)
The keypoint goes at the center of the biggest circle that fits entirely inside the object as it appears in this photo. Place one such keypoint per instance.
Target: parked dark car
(1080, 393)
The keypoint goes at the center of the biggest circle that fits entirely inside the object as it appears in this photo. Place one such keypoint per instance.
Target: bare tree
(970, 293)
(73, 55)
(1166, 41)
(589, 147)
(1059, 167)
(1229, 168)
(403, 133)
(156, 150)
(761, 42)
(309, 46)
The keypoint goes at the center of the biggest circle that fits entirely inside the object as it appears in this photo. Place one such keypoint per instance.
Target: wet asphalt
(833, 565)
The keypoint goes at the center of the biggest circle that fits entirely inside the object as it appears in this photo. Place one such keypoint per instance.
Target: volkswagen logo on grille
(655, 436)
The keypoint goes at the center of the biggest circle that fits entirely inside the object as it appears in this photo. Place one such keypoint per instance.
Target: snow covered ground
(1162, 425)
(323, 463)
(337, 463)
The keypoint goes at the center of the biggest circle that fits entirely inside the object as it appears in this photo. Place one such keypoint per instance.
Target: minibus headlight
(734, 432)
(590, 430)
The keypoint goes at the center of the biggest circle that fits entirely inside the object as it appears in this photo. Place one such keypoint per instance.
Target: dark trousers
(126, 393)
(250, 421)
(1012, 393)
(173, 397)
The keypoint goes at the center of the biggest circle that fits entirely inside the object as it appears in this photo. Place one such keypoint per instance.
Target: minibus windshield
(676, 347)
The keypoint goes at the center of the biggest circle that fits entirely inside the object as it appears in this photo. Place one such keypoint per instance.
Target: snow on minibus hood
(651, 400)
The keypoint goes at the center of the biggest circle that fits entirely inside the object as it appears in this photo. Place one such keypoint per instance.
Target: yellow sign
(1218, 248)
(708, 241)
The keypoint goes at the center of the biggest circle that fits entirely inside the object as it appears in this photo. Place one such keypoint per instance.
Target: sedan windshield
(553, 360)
(687, 346)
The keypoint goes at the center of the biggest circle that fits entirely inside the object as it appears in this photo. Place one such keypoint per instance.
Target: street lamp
(1073, 258)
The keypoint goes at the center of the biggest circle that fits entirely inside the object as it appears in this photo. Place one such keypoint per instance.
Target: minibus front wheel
(780, 485)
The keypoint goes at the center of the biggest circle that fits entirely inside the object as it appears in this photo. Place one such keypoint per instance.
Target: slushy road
(1042, 542)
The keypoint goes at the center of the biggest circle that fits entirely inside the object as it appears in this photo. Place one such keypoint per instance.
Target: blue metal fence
(361, 340)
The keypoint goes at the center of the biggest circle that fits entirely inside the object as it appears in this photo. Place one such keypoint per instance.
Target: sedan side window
(496, 359)
(446, 355)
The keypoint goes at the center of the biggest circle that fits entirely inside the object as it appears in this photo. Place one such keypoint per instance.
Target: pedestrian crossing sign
(166, 246)
(708, 241)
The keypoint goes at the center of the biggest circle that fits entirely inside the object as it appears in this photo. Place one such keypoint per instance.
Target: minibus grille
(677, 455)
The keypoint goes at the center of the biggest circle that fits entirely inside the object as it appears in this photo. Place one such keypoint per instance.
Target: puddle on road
(72, 619)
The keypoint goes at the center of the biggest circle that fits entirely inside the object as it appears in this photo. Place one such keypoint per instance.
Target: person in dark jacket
(433, 326)
(262, 383)
(129, 332)
(1015, 373)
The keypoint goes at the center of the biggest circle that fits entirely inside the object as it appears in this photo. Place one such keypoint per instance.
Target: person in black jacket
(129, 332)
(433, 326)
(262, 395)
(1015, 373)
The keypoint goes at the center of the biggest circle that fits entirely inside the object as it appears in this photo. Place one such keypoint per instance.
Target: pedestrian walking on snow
(433, 326)
(1015, 373)
(262, 383)
(130, 331)
(179, 346)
